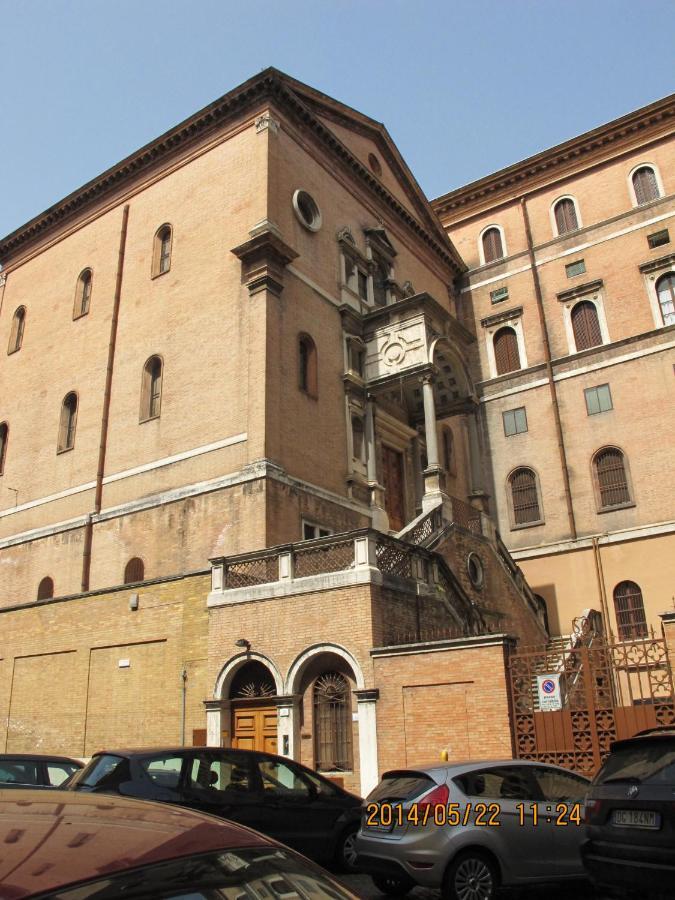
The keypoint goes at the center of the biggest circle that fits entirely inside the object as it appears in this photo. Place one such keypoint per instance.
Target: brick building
(250, 445)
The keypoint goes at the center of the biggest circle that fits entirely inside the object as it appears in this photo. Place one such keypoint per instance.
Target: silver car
(468, 828)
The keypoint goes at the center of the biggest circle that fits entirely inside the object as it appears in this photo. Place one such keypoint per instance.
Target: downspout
(184, 677)
(549, 371)
(98, 495)
(599, 574)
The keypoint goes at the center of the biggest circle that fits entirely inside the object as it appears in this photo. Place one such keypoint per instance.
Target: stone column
(288, 725)
(433, 484)
(214, 717)
(380, 519)
(366, 700)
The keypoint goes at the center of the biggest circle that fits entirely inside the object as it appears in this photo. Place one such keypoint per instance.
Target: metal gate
(608, 690)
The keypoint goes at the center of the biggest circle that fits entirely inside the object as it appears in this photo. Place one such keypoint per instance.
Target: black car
(630, 816)
(272, 794)
(35, 770)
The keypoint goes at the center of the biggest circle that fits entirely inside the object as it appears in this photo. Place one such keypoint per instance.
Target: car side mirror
(126, 788)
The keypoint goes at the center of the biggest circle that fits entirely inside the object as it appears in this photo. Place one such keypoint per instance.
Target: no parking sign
(548, 688)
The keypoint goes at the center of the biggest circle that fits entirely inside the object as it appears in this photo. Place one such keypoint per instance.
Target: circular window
(476, 572)
(306, 210)
(374, 164)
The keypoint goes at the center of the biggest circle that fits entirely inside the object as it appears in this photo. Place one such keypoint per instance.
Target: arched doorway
(253, 708)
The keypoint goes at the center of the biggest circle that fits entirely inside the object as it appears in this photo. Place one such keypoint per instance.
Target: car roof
(43, 835)
(458, 767)
(41, 757)
(660, 733)
(179, 751)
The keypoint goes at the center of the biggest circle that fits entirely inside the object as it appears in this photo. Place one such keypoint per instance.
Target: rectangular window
(515, 421)
(598, 399)
(658, 239)
(500, 294)
(575, 268)
(311, 531)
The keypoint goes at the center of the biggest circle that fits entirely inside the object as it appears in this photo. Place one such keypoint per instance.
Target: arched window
(612, 481)
(492, 245)
(507, 358)
(565, 215)
(134, 570)
(45, 588)
(665, 289)
(151, 389)
(16, 334)
(586, 325)
(380, 283)
(524, 497)
(307, 366)
(161, 255)
(630, 611)
(83, 294)
(332, 723)
(4, 438)
(358, 438)
(645, 185)
(67, 423)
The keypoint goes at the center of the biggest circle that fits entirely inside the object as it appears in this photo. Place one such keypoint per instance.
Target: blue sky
(464, 87)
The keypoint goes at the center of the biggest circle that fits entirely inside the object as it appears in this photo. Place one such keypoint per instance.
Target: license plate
(636, 818)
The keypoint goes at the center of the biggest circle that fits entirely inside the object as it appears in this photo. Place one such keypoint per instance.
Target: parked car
(61, 845)
(32, 769)
(272, 794)
(630, 815)
(468, 828)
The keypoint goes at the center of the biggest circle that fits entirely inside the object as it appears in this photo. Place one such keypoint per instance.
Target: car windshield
(259, 873)
(401, 786)
(105, 771)
(644, 762)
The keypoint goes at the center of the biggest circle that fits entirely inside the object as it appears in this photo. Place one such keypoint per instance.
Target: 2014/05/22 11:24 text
(389, 815)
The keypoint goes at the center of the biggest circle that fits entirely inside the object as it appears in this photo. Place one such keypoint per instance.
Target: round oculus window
(306, 210)
(476, 571)
(374, 164)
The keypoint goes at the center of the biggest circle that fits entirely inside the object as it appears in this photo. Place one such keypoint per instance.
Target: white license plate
(636, 818)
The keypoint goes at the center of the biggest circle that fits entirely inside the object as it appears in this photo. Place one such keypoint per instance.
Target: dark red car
(64, 845)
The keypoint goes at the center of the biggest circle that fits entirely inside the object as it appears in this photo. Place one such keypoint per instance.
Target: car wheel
(472, 876)
(393, 885)
(345, 851)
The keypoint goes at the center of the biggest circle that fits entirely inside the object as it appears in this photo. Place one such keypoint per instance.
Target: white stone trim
(368, 764)
(573, 250)
(289, 588)
(596, 298)
(554, 224)
(583, 370)
(645, 164)
(615, 537)
(650, 279)
(235, 663)
(481, 251)
(294, 672)
(315, 287)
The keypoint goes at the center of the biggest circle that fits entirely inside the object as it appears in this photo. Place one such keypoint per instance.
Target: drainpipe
(184, 677)
(599, 574)
(549, 371)
(89, 524)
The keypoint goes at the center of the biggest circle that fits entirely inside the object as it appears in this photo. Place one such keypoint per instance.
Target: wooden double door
(254, 727)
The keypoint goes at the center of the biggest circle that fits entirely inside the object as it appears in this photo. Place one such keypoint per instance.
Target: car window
(163, 771)
(401, 786)
(19, 771)
(322, 786)
(57, 773)
(241, 873)
(220, 772)
(647, 762)
(283, 779)
(557, 785)
(106, 772)
(499, 783)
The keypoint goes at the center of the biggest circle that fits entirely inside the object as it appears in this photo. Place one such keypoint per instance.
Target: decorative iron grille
(247, 572)
(332, 723)
(393, 558)
(333, 557)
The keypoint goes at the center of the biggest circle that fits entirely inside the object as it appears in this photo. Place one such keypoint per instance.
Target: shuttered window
(645, 185)
(161, 254)
(507, 358)
(586, 325)
(16, 334)
(665, 288)
(134, 570)
(45, 589)
(612, 482)
(83, 294)
(524, 497)
(332, 723)
(151, 389)
(308, 366)
(630, 611)
(4, 437)
(492, 245)
(565, 216)
(67, 423)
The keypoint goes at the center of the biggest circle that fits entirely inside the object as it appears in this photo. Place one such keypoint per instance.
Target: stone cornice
(269, 85)
(663, 262)
(522, 175)
(580, 290)
(263, 260)
(503, 316)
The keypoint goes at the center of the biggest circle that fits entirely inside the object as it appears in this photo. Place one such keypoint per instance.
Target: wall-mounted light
(133, 601)
(242, 642)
